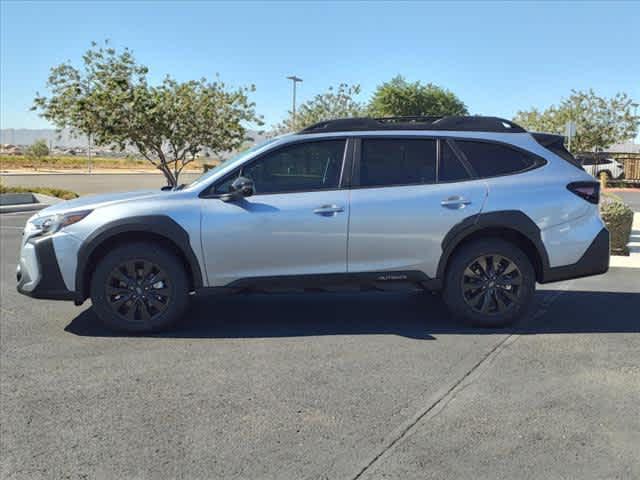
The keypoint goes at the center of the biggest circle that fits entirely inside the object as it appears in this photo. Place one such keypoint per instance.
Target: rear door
(407, 194)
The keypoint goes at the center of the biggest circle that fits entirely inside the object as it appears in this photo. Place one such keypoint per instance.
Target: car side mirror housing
(240, 188)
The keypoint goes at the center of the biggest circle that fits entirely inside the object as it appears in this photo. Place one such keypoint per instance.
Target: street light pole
(295, 80)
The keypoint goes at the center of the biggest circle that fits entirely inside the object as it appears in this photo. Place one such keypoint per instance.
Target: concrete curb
(26, 202)
(24, 207)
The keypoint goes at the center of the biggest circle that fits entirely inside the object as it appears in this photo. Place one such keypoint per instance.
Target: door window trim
(451, 141)
(345, 169)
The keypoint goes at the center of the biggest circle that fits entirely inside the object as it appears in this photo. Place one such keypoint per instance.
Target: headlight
(52, 223)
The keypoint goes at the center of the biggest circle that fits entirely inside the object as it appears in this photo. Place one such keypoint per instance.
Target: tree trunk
(164, 168)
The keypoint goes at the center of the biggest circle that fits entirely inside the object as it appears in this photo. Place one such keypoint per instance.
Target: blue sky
(497, 57)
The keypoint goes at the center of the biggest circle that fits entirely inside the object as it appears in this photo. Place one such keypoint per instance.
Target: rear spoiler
(555, 144)
(548, 139)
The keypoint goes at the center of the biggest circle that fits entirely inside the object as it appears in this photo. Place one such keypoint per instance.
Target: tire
(508, 294)
(139, 288)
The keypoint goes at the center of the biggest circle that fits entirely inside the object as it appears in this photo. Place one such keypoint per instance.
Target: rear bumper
(38, 273)
(594, 261)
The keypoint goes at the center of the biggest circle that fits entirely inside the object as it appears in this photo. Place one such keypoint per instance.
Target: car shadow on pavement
(417, 316)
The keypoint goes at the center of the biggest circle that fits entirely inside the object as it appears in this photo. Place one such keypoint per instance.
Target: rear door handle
(328, 210)
(455, 202)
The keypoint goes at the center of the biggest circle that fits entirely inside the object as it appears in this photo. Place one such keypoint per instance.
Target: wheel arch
(159, 229)
(510, 225)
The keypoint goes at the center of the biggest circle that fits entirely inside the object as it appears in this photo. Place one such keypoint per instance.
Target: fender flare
(508, 219)
(160, 225)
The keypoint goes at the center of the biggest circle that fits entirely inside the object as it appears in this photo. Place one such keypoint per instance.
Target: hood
(91, 202)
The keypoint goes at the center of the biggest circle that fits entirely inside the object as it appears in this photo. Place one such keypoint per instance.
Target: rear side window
(492, 159)
(387, 162)
(451, 169)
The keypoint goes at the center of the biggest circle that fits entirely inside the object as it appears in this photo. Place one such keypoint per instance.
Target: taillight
(590, 191)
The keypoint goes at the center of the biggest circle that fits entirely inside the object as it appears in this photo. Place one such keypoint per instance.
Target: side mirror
(241, 187)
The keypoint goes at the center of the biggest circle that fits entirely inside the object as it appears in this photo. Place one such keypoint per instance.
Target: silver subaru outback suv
(475, 207)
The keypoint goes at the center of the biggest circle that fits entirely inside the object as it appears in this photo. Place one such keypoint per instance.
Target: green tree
(39, 149)
(399, 98)
(335, 103)
(109, 99)
(600, 121)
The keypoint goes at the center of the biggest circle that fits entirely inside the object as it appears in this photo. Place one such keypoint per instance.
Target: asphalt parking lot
(323, 386)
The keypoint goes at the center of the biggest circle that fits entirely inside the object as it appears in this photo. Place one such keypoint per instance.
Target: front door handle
(455, 202)
(328, 210)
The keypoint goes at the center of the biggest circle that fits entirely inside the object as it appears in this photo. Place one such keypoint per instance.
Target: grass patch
(52, 192)
(28, 162)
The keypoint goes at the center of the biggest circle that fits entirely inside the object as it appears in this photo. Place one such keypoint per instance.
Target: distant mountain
(26, 136)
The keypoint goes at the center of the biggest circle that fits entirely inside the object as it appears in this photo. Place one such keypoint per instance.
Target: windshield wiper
(168, 188)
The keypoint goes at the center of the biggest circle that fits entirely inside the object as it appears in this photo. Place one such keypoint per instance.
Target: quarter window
(296, 168)
(387, 162)
(491, 159)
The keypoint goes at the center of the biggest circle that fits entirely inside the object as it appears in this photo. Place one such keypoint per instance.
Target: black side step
(363, 281)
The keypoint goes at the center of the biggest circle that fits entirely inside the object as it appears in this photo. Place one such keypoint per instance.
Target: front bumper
(594, 261)
(38, 273)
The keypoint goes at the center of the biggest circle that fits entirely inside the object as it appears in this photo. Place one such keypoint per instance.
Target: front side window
(492, 159)
(386, 162)
(230, 161)
(296, 168)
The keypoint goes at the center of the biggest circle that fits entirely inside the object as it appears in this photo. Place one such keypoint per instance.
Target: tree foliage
(38, 149)
(335, 103)
(109, 99)
(600, 121)
(398, 97)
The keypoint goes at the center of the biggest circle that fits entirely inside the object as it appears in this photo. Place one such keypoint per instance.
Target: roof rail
(459, 123)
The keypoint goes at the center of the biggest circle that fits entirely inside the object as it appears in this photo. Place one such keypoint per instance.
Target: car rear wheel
(489, 283)
(139, 288)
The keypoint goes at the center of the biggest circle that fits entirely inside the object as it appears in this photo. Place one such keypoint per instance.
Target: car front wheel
(139, 288)
(489, 283)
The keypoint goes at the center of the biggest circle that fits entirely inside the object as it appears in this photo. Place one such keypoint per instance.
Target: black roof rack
(460, 123)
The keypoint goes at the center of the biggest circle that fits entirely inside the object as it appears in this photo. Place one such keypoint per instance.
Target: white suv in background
(609, 167)
(475, 207)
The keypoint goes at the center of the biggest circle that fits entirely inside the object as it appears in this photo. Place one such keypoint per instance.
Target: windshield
(231, 160)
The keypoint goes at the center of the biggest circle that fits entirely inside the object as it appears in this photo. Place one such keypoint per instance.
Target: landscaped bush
(618, 217)
(52, 192)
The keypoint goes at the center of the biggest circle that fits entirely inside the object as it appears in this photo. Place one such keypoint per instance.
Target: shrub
(52, 192)
(618, 217)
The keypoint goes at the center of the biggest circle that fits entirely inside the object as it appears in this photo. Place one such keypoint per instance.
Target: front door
(404, 203)
(294, 224)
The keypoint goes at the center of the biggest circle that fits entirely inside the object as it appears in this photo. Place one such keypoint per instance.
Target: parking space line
(442, 399)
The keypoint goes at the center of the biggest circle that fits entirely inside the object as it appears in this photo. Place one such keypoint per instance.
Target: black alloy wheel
(138, 290)
(491, 284)
(140, 287)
